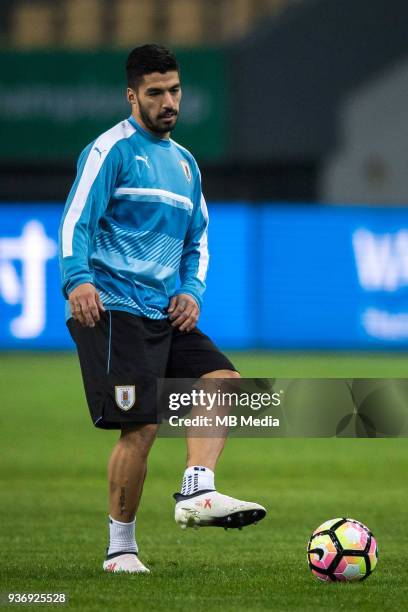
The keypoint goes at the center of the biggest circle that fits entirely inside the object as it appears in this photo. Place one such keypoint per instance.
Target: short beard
(153, 127)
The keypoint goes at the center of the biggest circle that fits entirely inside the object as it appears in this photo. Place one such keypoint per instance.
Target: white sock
(197, 478)
(121, 537)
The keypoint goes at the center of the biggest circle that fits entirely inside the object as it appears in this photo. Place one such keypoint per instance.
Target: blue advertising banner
(333, 277)
(280, 277)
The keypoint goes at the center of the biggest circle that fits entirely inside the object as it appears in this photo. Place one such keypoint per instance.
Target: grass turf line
(53, 512)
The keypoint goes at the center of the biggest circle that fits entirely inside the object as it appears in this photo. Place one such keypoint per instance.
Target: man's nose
(168, 100)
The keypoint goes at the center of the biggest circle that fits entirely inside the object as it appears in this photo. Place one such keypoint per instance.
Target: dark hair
(147, 59)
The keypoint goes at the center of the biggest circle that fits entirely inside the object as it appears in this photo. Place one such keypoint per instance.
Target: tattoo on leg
(122, 500)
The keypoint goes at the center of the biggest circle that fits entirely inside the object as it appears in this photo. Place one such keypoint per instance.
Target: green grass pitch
(53, 502)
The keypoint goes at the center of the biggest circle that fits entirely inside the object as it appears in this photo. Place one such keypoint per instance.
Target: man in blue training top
(135, 220)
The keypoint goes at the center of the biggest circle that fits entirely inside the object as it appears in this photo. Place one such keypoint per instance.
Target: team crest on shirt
(125, 397)
(186, 169)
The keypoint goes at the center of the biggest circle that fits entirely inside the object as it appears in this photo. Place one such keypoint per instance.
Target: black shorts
(122, 357)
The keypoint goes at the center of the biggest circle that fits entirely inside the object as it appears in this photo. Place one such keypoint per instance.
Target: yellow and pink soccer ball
(342, 549)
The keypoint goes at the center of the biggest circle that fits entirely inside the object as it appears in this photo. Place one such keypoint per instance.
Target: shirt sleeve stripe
(92, 167)
(203, 245)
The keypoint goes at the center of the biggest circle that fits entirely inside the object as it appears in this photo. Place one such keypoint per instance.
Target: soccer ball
(342, 549)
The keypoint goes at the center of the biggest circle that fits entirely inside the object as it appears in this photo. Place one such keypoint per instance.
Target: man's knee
(140, 437)
(222, 374)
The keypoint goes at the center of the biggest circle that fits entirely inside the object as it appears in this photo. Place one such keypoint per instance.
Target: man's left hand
(183, 312)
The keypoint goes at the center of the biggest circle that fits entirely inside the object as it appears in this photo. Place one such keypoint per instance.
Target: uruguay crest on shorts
(125, 397)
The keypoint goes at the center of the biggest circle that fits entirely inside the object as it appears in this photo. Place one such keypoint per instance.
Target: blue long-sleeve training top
(134, 220)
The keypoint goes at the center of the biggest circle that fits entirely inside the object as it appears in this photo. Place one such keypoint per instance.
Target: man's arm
(95, 181)
(185, 306)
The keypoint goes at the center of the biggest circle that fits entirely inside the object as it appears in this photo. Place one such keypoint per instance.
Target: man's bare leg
(199, 503)
(207, 450)
(127, 471)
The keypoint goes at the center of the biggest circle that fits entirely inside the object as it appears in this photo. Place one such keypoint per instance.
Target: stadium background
(296, 111)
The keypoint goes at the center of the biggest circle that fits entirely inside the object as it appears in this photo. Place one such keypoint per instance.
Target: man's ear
(131, 96)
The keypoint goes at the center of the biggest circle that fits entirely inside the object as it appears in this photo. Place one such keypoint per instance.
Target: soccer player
(135, 220)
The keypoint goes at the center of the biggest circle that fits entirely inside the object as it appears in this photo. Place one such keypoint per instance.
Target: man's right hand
(86, 304)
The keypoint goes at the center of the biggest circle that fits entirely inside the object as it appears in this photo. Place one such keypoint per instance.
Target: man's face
(156, 101)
